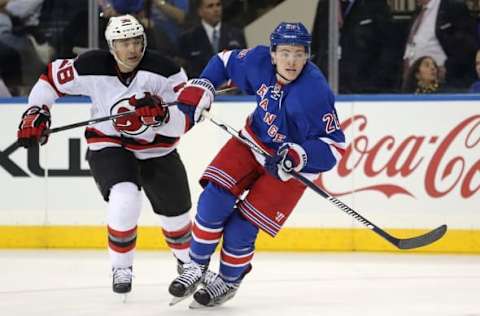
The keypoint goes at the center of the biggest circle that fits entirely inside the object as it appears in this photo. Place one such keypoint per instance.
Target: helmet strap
(286, 80)
(129, 67)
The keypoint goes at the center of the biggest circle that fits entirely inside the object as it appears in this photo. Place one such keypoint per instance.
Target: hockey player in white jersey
(129, 153)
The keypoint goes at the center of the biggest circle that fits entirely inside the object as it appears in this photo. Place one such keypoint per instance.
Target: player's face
(129, 51)
(210, 11)
(289, 60)
(428, 71)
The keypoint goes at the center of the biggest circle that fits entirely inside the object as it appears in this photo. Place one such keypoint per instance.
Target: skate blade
(176, 300)
(197, 305)
(123, 298)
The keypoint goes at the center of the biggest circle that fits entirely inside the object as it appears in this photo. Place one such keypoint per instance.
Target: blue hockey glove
(289, 157)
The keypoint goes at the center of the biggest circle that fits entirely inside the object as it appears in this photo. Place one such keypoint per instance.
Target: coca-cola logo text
(446, 171)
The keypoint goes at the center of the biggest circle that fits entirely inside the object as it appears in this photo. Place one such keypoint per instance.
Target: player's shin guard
(235, 264)
(238, 248)
(178, 235)
(122, 216)
(215, 205)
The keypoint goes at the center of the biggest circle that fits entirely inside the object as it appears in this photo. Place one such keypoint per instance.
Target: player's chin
(132, 63)
(291, 75)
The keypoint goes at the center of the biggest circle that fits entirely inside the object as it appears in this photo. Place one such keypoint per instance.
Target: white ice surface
(74, 283)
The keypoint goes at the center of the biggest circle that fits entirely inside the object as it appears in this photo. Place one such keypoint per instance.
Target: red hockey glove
(150, 109)
(289, 157)
(31, 131)
(196, 97)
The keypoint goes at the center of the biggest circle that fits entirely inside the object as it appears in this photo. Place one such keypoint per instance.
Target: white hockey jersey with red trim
(95, 74)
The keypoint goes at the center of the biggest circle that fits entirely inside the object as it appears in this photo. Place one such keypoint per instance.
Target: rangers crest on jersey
(130, 124)
(243, 53)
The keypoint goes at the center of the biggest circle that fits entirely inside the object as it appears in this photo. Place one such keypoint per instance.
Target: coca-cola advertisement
(418, 160)
(408, 164)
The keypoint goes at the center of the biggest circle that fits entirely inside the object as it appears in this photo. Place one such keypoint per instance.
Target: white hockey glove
(197, 96)
(289, 157)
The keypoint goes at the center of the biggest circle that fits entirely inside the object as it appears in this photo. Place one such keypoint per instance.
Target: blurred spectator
(4, 91)
(158, 38)
(127, 6)
(10, 75)
(475, 88)
(18, 22)
(445, 30)
(366, 63)
(422, 77)
(169, 17)
(141, 9)
(208, 37)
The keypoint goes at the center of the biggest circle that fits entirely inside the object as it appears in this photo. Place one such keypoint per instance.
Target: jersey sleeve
(237, 65)
(60, 78)
(174, 83)
(325, 141)
(178, 123)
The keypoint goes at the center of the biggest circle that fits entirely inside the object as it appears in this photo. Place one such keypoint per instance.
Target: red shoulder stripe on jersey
(51, 82)
(44, 77)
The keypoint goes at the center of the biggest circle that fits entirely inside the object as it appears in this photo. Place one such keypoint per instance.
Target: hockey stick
(401, 243)
(114, 116)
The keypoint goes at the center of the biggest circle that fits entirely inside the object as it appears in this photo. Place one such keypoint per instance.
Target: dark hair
(410, 84)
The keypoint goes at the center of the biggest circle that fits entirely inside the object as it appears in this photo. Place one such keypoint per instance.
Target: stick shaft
(408, 243)
(114, 116)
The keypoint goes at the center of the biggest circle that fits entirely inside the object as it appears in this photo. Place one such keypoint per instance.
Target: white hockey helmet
(122, 27)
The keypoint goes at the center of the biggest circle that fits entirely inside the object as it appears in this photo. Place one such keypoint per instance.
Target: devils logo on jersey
(130, 124)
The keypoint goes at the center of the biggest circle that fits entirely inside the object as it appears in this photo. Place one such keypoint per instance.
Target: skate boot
(215, 293)
(187, 282)
(180, 266)
(122, 281)
(208, 278)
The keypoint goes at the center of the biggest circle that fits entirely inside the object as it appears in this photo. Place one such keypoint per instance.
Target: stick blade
(422, 240)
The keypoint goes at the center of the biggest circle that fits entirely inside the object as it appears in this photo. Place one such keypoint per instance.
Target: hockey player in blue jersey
(295, 121)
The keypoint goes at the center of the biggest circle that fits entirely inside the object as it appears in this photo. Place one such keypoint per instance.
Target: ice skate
(186, 283)
(209, 277)
(122, 281)
(180, 266)
(214, 294)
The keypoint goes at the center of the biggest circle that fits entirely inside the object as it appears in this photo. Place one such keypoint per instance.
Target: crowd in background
(430, 49)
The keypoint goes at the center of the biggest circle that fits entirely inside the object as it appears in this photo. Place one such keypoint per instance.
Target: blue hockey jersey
(301, 112)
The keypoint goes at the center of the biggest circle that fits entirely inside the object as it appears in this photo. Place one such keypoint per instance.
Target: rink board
(413, 165)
